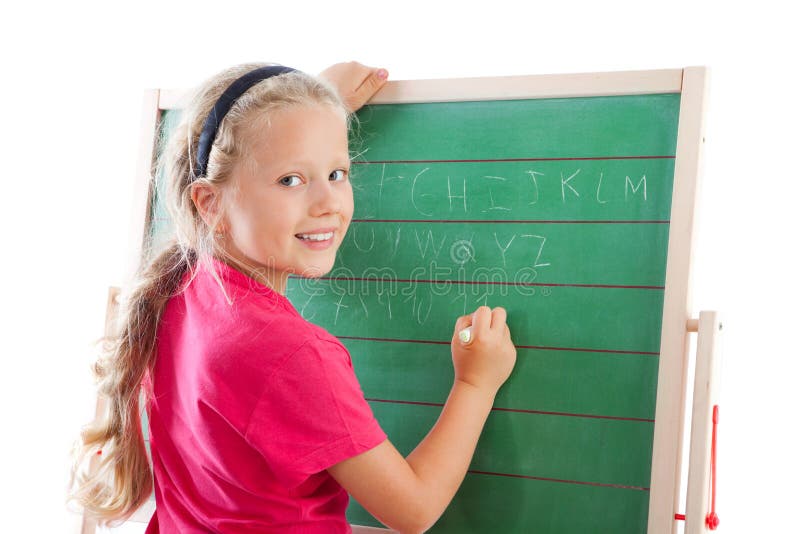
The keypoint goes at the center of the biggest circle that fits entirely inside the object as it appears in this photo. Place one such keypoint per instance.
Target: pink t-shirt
(250, 405)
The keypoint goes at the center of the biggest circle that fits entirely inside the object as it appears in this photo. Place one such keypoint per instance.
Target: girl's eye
(338, 175)
(287, 180)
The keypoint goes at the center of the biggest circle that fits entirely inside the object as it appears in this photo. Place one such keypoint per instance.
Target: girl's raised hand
(355, 82)
(487, 360)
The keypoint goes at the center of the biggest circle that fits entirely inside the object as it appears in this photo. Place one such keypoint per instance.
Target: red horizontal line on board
(428, 342)
(574, 349)
(536, 347)
(479, 221)
(518, 410)
(478, 282)
(492, 160)
(601, 484)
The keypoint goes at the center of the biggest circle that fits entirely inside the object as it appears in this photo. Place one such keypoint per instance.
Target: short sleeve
(312, 414)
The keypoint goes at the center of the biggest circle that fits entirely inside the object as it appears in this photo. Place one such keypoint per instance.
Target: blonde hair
(122, 478)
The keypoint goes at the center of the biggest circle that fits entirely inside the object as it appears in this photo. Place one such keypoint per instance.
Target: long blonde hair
(121, 479)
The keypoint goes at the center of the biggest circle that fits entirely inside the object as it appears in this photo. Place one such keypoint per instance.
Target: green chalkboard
(557, 209)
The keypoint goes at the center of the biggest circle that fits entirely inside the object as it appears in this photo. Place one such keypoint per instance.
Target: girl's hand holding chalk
(465, 335)
(483, 353)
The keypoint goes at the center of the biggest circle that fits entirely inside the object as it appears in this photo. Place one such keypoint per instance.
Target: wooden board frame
(691, 83)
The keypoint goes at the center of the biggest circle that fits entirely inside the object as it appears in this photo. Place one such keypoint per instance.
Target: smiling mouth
(315, 237)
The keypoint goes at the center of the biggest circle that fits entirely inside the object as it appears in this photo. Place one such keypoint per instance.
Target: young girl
(257, 421)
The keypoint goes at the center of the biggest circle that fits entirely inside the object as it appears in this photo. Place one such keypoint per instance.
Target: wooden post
(89, 525)
(706, 396)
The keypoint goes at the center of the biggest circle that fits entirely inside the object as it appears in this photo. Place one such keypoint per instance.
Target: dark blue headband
(223, 106)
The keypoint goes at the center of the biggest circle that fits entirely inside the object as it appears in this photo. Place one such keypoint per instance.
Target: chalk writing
(491, 196)
(355, 239)
(634, 189)
(437, 192)
(566, 182)
(539, 253)
(463, 196)
(533, 175)
(338, 306)
(423, 250)
(413, 187)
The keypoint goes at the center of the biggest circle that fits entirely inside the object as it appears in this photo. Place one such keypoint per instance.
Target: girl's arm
(409, 494)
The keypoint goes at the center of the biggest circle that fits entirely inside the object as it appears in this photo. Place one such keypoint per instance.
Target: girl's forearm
(441, 460)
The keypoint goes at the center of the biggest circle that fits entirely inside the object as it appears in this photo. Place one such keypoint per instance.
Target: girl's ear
(207, 200)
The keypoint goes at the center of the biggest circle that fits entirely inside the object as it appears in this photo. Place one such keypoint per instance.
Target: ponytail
(120, 479)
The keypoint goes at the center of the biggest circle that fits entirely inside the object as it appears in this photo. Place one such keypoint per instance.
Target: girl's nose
(325, 198)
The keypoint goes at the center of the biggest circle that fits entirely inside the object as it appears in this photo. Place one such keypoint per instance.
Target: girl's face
(295, 187)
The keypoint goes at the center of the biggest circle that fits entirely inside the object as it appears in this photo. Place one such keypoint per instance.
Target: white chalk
(465, 335)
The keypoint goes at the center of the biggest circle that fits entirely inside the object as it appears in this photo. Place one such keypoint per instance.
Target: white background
(74, 76)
